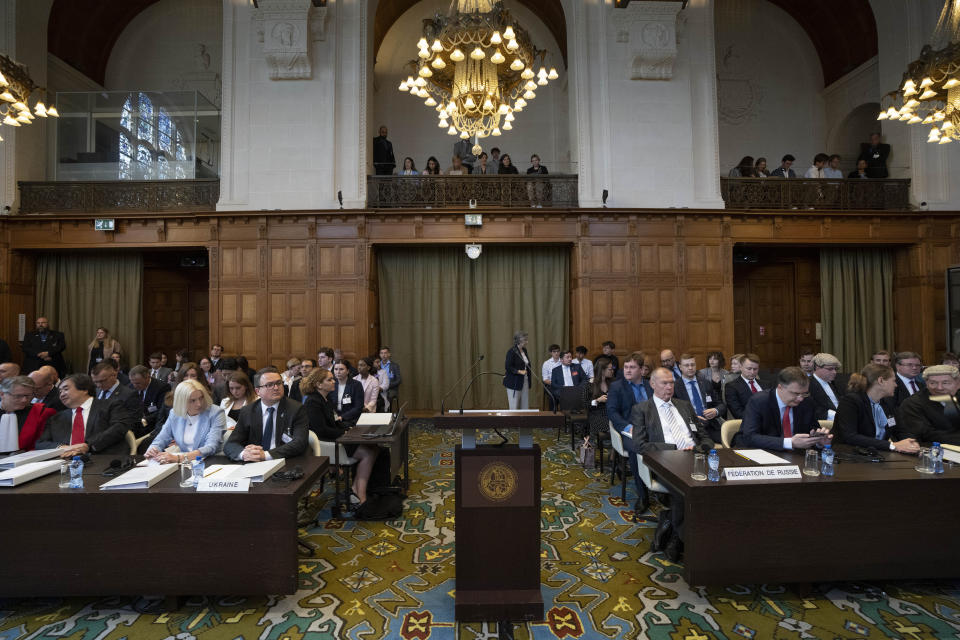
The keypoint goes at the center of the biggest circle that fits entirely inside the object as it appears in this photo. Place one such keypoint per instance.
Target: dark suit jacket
(290, 421)
(322, 417)
(556, 378)
(821, 401)
(514, 363)
(53, 400)
(891, 404)
(921, 418)
(620, 402)
(854, 424)
(351, 405)
(648, 431)
(876, 167)
(762, 428)
(54, 345)
(710, 401)
(156, 391)
(105, 429)
(130, 405)
(737, 394)
(5, 354)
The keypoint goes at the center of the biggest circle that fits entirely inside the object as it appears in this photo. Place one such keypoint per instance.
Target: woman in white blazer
(195, 424)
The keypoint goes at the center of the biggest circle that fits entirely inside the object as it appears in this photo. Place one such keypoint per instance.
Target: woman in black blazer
(348, 394)
(862, 420)
(517, 379)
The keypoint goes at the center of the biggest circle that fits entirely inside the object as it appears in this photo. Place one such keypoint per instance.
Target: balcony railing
(119, 196)
(796, 193)
(484, 190)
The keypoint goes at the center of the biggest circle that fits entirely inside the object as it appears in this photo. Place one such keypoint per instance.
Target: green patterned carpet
(396, 580)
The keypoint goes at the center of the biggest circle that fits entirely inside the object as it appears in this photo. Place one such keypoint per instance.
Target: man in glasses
(823, 388)
(783, 418)
(908, 366)
(21, 423)
(272, 427)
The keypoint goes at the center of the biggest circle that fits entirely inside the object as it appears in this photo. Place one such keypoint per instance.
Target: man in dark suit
(44, 346)
(87, 425)
(875, 153)
(566, 374)
(669, 361)
(47, 392)
(823, 389)
(151, 394)
(383, 160)
(739, 390)
(104, 375)
(908, 366)
(5, 354)
(666, 422)
(923, 419)
(272, 427)
(784, 170)
(622, 395)
(157, 370)
(783, 418)
(692, 389)
(215, 352)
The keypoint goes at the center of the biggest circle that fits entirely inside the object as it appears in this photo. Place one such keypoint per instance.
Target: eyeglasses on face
(271, 385)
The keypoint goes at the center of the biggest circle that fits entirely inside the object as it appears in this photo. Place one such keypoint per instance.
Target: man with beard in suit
(44, 346)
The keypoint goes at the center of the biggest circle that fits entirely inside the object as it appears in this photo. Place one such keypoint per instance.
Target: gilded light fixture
(930, 92)
(16, 86)
(474, 66)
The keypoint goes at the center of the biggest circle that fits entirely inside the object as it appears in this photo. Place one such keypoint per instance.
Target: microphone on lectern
(478, 361)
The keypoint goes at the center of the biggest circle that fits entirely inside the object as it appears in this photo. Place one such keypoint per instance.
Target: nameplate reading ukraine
(779, 472)
(224, 485)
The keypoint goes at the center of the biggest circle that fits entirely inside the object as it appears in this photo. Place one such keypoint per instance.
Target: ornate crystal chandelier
(930, 93)
(15, 89)
(477, 69)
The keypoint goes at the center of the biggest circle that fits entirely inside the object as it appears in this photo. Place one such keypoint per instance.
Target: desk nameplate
(225, 485)
(769, 472)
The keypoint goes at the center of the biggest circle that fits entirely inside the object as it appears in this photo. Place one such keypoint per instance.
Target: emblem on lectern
(497, 481)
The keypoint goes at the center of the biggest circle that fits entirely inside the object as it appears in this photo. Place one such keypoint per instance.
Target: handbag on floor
(588, 454)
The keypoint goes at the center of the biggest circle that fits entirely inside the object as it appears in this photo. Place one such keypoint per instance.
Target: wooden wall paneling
(909, 300)
(17, 295)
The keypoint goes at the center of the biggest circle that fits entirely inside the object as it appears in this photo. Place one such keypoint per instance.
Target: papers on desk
(374, 419)
(254, 471)
(140, 477)
(760, 456)
(27, 472)
(28, 456)
(951, 455)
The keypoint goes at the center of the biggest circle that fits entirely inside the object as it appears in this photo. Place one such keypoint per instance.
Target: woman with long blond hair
(101, 348)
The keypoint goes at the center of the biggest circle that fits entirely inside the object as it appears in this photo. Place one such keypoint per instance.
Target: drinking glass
(925, 460)
(811, 463)
(186, 475)
(699, 467)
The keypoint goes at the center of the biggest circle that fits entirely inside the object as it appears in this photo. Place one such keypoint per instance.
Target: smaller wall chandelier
(476, 66)
(930, 93)
(16, 86)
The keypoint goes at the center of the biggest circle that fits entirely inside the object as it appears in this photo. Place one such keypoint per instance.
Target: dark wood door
(175, 311)
(765, 319)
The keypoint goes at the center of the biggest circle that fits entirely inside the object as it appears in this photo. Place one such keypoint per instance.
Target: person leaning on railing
(535, 187)
(506, 165)
(744, 168)
(409, 167)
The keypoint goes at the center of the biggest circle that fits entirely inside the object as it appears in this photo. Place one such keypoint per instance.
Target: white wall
(852, 104)
(770, 86)
(543, 126)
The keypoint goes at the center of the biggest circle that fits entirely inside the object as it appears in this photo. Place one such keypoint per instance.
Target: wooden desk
(871, 521)
(163, 540)
(399, 442)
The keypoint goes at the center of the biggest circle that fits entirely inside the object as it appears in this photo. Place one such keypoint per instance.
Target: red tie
(787, 431)
(76, 436)
(753, 387)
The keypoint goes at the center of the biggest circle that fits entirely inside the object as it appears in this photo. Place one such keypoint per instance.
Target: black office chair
(573, 405)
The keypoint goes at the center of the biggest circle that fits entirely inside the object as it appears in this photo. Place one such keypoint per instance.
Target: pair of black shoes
(666, 539)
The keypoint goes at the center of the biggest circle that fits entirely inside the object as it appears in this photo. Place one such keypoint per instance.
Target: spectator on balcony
(535, 188)
(383, 160)
(861, 170)
(458, 168)
(760, 168)
(784, 170)
(506, 165)
(433, 167)
(494, 159)
(817, 170)
(481, 168)
(832, 170)
(409, 167)
(464, 149)
(744, 168)
(876, 154)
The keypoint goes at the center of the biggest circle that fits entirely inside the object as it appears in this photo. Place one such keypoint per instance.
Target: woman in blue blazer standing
(517, 378)
(195, 424)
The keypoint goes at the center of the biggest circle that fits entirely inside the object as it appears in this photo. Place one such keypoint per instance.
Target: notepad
(140, 477)
(27, 472)
(28, 456)
(255, 471)
(374, 419)
(760, 456)
(952, 456)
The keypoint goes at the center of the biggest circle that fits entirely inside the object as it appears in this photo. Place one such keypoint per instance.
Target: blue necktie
(880, 420)
(639, 393)
(695, 397)
(268, 430)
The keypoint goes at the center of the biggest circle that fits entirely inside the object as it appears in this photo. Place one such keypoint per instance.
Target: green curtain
(440, 310)
(80, 292)
(856, 303)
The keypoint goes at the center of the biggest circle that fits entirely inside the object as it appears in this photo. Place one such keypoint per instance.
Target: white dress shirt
(908, 383)
(547, 369)
(567, 376)
(681, 438)
(586, 365)
(189, 434)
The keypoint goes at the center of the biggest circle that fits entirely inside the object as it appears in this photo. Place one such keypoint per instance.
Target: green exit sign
(104, 224)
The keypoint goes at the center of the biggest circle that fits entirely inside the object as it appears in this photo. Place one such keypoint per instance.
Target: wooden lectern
(498, 517)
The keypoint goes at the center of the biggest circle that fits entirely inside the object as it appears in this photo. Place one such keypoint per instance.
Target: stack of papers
(140, 477)
(374, 419)
(760, 456)
(26, 472)
(255, 471)
(28, 456)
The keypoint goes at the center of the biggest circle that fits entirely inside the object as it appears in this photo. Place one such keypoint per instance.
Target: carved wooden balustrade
(119, 196)
(802, 193)
(486, 190)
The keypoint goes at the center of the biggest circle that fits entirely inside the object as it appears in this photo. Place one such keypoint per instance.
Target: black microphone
(479, 375)
(465, 374)
(340, 198)
(117, 467)
(553, 398)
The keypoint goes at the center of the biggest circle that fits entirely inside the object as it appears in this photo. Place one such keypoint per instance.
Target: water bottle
(826, 461)
(64, 474)
(713, 466)
(76, 473)
(937, 452)
(197, 470)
